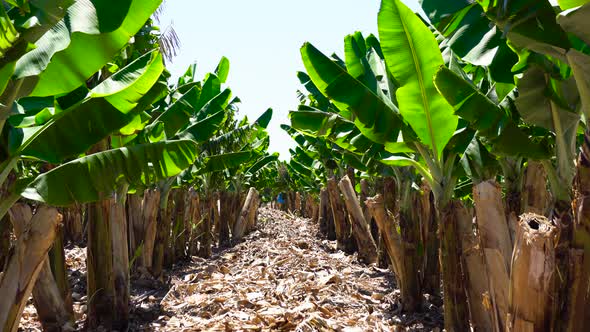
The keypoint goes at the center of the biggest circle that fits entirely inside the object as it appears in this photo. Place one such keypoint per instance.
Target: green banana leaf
(107, 108)
(490, 120)
(568, 4)
(318, 123)
(376, 118)
(263, 162)
(264, 119)
(227, 161)
(94, 31)
(529, 24)
(323, 102)
(222, 70)
(204, 129)
(97, 176)
(546, 102)
(413, 57)
(211, 88)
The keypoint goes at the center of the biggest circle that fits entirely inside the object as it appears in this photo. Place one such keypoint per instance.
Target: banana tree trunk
(429, 227)
(387, 187)
(253, 215)
(225, 199)
(455, 302)
(163, 225)
(534, 274)
(496, 243)
(324, 221)
(345, 241)
(101, 288)
(360, 228)
(194, 222)
(135, 227)
(54, 314)
(206, 232)
(236, 201)
(24, 265)
(178, 242)
(182, 244)
(298, 203)
(48, 299)
(315, 210)
(147, 232)
(578, 297)
(118, 218)
(5, 231)
(74, 229)
(400, 253)
(535, 196)
(477, 281)
(57, 259)
(351, 176)
(247, 214)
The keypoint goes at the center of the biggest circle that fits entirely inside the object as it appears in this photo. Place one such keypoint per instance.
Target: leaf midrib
(421, 83)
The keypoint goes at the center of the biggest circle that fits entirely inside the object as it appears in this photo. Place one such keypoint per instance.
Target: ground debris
(281, 277)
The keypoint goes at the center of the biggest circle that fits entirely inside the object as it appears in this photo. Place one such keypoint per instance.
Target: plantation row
(144, 171)
(472, 133)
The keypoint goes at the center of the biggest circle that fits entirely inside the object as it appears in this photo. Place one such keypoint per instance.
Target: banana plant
(64, 133)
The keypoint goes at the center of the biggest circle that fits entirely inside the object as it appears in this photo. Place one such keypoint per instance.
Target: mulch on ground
(283, 277)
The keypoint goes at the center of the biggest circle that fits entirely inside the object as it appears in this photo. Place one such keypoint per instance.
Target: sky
(261, 39)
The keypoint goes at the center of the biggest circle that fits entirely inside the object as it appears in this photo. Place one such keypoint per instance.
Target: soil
(282, 277)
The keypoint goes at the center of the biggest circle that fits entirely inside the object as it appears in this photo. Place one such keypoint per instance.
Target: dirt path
(282, 277)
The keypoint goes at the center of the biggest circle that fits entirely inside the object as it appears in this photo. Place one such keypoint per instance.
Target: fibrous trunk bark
(57, 259)
(118, 217)
(360, 228)
(25, 264)
(5, 243)
(48, 299)
(401, 255)
(178, 243)
(532, 282)
(429, 227)
(345, 241)
(146, 234)
(135, 225)
(477, 281)
(578, 297)
(205, 231)
(496, 243)
(195, 221)
(225, 199)
(325, 220)
(455, 302)
(53, 312)
(74, 229)
(535, 196)
(247, 215)
(99, 261)
(162, 233)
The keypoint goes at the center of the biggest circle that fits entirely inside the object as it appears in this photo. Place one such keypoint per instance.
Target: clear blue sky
(261, 38)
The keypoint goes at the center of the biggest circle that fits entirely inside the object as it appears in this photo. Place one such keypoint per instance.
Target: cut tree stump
(532, 282)
(247, 216)
(360, 228)
(344, 239)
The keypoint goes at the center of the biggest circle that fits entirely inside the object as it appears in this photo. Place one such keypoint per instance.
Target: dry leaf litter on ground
(282, 277)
